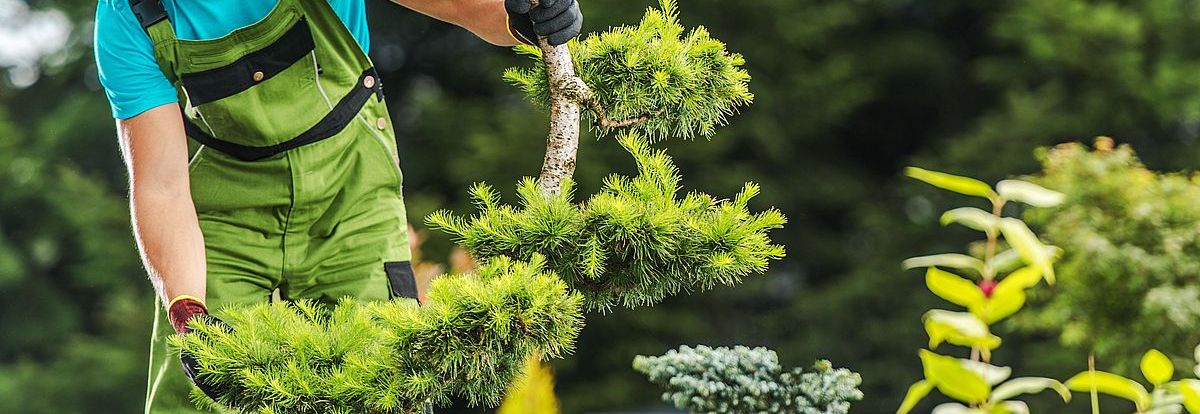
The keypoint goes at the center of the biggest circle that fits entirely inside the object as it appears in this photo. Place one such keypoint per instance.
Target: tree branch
(602, 119)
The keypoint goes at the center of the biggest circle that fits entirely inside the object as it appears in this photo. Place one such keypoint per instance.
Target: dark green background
(848, 92)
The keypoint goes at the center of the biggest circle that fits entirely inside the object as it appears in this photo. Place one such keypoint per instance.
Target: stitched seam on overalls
(317, 79)
(200, 114)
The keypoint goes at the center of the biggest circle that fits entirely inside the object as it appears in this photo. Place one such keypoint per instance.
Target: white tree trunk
(562, 142)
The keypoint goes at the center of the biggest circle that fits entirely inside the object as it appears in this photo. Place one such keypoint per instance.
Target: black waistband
(333, 122)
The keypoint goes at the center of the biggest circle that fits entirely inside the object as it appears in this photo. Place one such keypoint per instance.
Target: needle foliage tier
(470, 341)
(684, 82)
(632, 244)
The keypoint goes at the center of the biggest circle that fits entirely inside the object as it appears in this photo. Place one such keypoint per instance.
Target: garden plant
(542, 263)
(1166, 396)
(748, 380)
(1012, 259)
(532, 392)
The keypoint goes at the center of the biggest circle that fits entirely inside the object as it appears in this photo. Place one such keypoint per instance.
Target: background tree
(1131, 242)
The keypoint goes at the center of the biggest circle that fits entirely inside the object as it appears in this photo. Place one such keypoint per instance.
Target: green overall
(296, 181)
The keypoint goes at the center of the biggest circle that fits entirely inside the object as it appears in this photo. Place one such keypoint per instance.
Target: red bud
(987, 286)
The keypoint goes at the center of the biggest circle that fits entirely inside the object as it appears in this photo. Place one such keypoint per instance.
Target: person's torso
(290, 78)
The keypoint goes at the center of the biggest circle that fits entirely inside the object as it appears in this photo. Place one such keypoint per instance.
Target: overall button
(369, 81)
(381, 123)
(258, 76)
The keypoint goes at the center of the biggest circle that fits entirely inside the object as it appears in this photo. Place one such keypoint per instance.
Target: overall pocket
(401, 279)
(262, 98)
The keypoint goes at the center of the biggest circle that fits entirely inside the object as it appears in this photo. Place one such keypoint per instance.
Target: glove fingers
(549, 11)
(562, 36)
(192, 369)
(555, 25)
(545, 4)
(559, 23)
(518, 6)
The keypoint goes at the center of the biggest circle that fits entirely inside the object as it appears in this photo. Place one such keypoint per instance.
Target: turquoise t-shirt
(125, 58)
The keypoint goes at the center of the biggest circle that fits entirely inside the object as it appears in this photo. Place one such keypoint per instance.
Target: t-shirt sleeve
(125, 62)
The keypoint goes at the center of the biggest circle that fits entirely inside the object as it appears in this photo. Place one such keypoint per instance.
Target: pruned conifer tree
(638, 240)
(543, 262)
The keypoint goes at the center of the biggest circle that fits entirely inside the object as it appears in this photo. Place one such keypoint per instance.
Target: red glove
(182, 309)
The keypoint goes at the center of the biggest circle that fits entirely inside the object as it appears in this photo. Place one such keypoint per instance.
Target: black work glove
(557, 20)
(181, 311)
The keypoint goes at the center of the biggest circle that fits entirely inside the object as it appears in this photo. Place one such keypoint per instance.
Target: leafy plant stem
(993, 236)
(1092, 374)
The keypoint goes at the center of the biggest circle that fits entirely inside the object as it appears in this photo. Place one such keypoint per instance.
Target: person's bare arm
(485, 18)
(164, 218)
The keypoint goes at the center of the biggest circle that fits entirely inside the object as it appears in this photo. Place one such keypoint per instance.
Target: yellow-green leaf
(1002, 304)
(1156, 367)
(1019, 280)
(1027, 244)
(991, 374)
(1029, 193)
(1190, 390)
(916, 392)
(1006, 261)
(958, 328)
(1196, 356)
(1029, 385)
(953, 380)
(953, 288)
(1111, 384)
(955, 183)
(955, 408)
(970, 217)
(1010, 407)
(950, 260)
(533, 391)
(1009, 260)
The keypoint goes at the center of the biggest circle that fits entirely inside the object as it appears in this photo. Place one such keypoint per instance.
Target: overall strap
(152, 16)
(333, 123)
(148, 12)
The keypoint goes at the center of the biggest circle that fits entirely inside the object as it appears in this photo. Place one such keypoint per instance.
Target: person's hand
(181, 311)
(556, 20)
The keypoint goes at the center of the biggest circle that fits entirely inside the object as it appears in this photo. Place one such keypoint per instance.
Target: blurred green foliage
(73, 310)
(846, 93)
(1132, 263)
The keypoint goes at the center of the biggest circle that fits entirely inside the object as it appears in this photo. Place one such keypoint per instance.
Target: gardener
(296, 182)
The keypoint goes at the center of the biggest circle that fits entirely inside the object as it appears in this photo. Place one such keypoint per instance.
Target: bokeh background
(848, 92)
